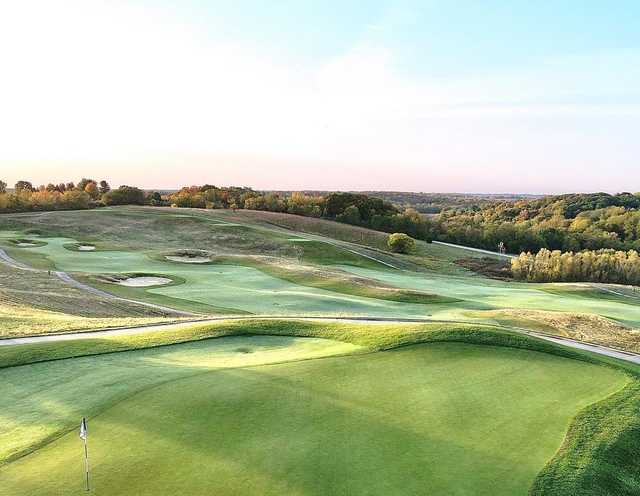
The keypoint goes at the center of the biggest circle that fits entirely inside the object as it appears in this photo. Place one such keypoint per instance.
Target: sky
(467, 96)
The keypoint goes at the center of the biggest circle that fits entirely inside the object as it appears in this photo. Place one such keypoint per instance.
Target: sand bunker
(86, 248)
(25, 244)
(141, 282)
(186, 259)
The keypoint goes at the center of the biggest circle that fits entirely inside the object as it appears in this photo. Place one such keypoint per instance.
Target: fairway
(271, 273)
(427, 419)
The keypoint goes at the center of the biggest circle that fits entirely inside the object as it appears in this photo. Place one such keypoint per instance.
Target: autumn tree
(92, 190)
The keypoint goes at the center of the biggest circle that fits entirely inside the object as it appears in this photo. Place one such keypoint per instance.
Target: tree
(124, 195)
(104, 187)
(154, 198)
(351, 215)
(92, 190)
(23, 186)
(400, 243)
(83, 183)
(3, 187)
(70, 186)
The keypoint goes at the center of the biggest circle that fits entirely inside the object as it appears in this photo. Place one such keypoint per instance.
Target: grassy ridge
(600, 452)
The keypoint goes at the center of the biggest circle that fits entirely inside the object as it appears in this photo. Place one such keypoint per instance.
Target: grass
(579, 326)
(42, 294)
(265, 269)
(23, 320)
(351, 422)
(238, 288)
(320, 276)
(339, 282)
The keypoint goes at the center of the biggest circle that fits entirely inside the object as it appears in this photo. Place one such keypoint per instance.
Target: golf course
(245, 352)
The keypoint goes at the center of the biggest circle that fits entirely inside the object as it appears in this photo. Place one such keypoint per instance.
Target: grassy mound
(580, 326)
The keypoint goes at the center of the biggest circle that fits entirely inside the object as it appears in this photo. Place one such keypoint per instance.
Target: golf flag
(83, 429)
(83, 436)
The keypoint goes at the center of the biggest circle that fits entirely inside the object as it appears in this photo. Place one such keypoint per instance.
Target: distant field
(456, 418)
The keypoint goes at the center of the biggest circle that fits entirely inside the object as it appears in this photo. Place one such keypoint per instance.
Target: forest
(567, 223)
(606, 266)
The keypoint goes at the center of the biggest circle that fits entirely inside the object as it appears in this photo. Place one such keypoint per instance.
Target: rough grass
(580, 326)
(43, 292)
(628, 294)
(600, 452)
(322, 227)
(23, 320)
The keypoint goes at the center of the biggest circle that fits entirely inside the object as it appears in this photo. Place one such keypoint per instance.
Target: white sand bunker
(25, 244)
(141, 282)
(187, 259)
(86, 248)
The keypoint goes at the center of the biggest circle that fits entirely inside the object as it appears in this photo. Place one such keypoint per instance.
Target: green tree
(24, 186)
(3, 187)
(124, 195)
(104, 187)
(400, 243)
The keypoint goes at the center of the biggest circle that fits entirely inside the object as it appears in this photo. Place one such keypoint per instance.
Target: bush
(400, 243)
(124, 195)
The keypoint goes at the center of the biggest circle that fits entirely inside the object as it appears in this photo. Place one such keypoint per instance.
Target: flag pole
(83, 436)
(86, 462)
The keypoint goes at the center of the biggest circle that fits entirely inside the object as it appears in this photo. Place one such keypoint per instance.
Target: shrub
(400, 243)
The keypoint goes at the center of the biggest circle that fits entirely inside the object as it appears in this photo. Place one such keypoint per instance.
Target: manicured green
(454, 418)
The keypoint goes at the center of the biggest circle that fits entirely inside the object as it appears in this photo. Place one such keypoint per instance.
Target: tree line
(567, 223)
(350, 208)
(606, 266)
(87, 193)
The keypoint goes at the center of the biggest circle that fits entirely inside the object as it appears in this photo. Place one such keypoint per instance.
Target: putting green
(443, 419)
(40, 400)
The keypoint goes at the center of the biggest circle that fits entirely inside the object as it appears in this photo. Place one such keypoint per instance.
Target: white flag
(83, 429)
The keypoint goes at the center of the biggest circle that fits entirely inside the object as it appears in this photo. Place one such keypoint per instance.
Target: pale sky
(466, 96)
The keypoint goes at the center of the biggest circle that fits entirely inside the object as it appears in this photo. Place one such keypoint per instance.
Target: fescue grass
(23, 320)
(39, 293)
(579, 326)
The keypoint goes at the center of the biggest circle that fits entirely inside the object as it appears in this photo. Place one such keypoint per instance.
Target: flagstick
(86, 461)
